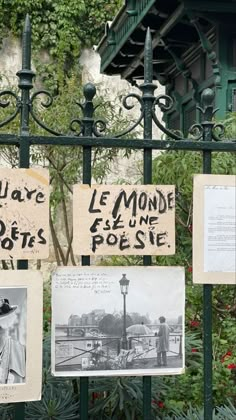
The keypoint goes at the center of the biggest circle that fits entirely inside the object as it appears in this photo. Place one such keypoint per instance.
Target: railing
(140, 348)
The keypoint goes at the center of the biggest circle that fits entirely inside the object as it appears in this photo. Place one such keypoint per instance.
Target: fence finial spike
(148, 63)
(27, 25)
(26, 44)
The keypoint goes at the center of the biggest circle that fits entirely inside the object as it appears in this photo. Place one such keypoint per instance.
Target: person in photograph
(162, 342)
(12, 352)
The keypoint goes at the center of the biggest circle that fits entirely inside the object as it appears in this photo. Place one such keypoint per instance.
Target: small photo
(13, 332)
(118, 321)
(21, 313)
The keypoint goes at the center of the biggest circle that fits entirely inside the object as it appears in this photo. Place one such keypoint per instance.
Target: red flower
(232, 366)
(226, 356)
(194, 323)
(160, 404)
(227, 307)
(190, 269)
(194, 350)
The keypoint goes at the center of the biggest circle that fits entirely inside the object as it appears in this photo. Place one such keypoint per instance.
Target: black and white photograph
(118, 321)
(13, 318)
(21, 313)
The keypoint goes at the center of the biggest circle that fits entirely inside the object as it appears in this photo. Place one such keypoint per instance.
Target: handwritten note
(98, 283)
(24, 213)
(124, 220)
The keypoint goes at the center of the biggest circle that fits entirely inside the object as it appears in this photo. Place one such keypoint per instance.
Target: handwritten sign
(99, 283)
(24, 210)
(124, 220)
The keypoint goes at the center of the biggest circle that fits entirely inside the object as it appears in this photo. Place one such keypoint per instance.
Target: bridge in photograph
(77, 330)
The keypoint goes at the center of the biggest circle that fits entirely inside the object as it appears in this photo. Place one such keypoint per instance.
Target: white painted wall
(112, 88)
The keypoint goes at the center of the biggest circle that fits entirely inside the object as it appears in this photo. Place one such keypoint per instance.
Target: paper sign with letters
(214, 229)
(124, 220)
(24, 213)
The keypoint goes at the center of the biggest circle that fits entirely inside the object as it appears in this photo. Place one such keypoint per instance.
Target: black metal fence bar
(147, 89)
(135, 144)
(204, 139)
(25, 84)
(88, 110)
(207, 288)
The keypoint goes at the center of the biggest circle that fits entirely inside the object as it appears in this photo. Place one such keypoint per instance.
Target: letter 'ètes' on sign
(124, 219)
(24, 213)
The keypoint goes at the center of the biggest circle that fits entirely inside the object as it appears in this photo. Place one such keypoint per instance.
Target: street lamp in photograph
(124, 286)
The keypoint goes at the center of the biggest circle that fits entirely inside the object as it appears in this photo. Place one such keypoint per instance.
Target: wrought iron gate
(203, 138)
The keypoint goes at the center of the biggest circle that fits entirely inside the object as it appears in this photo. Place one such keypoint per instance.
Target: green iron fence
(203, 138)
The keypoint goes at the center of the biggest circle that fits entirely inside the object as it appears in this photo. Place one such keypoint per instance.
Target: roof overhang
(175, 27)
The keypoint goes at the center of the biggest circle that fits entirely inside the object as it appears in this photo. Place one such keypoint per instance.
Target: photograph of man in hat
(162, 342)
(12, 351)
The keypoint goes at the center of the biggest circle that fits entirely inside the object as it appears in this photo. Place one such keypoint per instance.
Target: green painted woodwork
(225, 6)
(122, 32)
(131, 8)
(157, 38)
(209, 28)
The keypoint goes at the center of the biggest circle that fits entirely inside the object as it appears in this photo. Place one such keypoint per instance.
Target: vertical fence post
(147, 89)
(25, 84)
(207, 124)
(87, 130)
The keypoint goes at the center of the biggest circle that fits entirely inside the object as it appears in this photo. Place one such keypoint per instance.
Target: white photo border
(163, 371)
(30, 390)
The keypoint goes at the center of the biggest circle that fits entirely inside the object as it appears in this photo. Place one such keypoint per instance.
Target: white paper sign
(219, 228)
(214, 229)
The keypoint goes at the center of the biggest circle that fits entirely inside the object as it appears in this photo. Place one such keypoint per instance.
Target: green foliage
(124, 401)
(59, 27)
(178, 168)
(58, 404)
